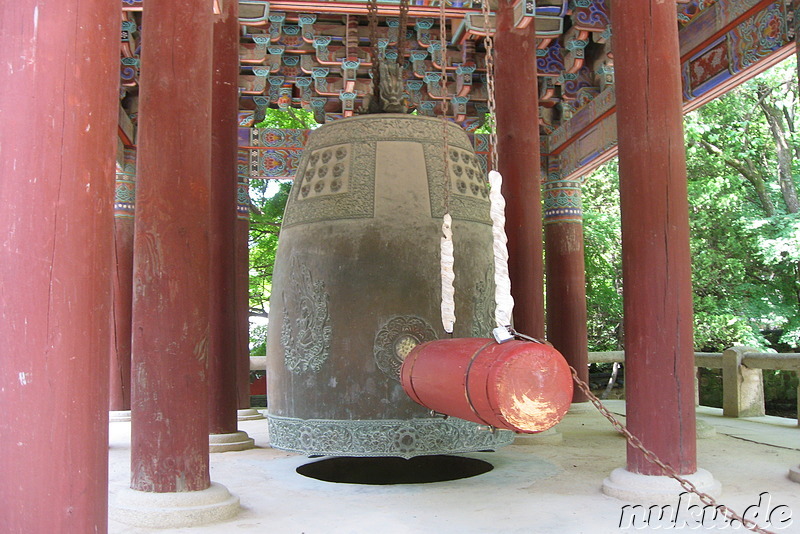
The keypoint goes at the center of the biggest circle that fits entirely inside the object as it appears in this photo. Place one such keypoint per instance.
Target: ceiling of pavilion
(316, 55)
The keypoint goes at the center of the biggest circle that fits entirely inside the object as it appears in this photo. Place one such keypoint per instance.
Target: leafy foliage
(744, 220)
(603, 254)
(268, 200)
(290, 118)
(745, 227)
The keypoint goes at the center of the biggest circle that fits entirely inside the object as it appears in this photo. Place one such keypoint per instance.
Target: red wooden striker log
(518, 385)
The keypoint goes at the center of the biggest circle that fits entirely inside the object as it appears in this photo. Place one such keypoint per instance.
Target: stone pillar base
(794, 474)
(656, 489)
(235, 441)
(119, 416)
(551, 435)
(174, 510)
(248, 414)
(705, 430)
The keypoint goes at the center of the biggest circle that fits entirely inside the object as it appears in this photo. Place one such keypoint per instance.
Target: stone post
(742, 387)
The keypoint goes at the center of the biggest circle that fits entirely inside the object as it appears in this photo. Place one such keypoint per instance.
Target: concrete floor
(535, 486)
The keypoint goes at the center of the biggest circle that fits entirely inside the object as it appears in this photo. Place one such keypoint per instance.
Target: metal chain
(635, 442)
(488, 43)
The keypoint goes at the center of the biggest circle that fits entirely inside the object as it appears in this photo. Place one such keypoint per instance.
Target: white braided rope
(447, 258)
(448, 276)
(502, 283)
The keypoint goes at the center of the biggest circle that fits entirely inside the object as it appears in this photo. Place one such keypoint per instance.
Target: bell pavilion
(130, 128)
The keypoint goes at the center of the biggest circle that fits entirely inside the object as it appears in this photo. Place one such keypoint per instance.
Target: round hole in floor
(384, 470)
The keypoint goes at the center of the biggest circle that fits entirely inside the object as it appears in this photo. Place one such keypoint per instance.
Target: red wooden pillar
(796, 8)
(169, 404)
(659, 353)
(794, 472)
(223, 392)
(566, 278)
(242, 269)
(124, 202)
(58, 111)
(518, 149)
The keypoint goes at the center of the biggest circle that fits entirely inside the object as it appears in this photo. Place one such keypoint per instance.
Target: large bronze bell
(357, 286)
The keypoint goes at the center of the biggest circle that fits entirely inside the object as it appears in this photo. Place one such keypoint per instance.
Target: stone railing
(742, 379)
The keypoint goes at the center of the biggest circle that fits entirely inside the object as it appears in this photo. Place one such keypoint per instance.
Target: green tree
(744, 211)
(288, 118)
(268, 198)
(745, 228)
(603, 258)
